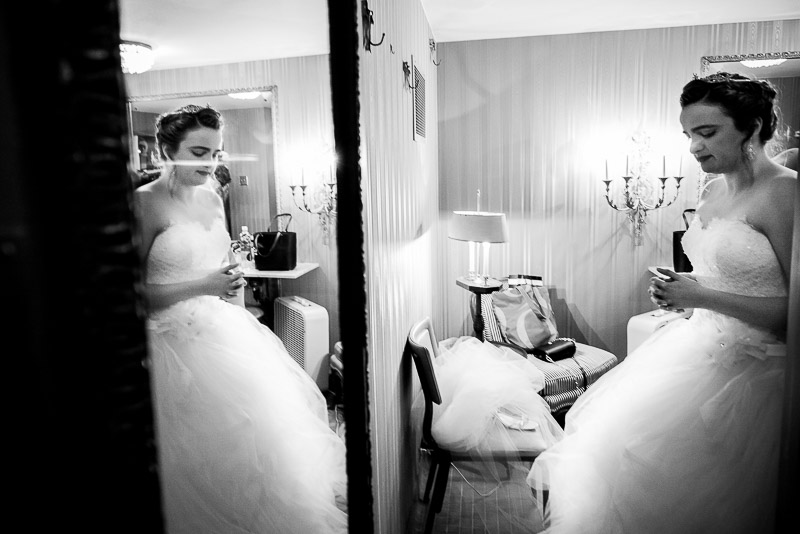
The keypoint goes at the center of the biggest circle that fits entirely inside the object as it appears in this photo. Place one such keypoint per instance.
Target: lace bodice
(732, 256)
(187, 251)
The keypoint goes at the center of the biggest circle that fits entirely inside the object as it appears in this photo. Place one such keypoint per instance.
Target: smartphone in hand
(663, 276)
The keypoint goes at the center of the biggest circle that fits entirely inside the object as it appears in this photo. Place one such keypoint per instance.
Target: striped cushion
(565, 379)
(491, 330)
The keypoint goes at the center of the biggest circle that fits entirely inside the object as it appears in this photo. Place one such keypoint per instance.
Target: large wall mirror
(246, 177)
(782, 69)
(272, 142)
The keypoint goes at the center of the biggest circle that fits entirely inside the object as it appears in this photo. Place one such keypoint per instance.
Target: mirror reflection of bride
(244, 439)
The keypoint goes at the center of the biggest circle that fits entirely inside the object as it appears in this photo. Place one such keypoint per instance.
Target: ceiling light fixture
(245, 96)
(136, 57)
(756, 63)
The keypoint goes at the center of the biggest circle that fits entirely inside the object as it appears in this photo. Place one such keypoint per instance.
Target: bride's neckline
(705, 223)
(207, 226)
(216, 222)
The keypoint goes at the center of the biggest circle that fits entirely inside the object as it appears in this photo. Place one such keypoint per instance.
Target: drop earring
(171, 178)
(751, 153)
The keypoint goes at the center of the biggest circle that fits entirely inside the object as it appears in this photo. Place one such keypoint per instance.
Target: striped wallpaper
(400, 194)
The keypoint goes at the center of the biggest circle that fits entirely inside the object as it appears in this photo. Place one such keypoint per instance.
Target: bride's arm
(224, 283)
(238, 298)
(682, 292)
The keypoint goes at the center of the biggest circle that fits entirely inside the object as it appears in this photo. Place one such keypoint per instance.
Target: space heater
(302, 325)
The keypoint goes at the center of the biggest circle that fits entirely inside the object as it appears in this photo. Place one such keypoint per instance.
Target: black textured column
(82, 456)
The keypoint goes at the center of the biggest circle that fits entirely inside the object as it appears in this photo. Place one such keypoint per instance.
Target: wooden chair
(527, 445)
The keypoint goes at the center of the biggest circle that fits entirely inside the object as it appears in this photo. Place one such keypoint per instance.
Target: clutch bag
(558, 349)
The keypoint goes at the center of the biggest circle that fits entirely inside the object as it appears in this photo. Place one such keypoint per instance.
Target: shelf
(297, 272)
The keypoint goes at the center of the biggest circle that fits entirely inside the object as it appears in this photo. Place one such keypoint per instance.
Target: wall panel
(400, 184)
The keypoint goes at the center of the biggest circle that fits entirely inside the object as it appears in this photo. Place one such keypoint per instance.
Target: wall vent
(419, 104)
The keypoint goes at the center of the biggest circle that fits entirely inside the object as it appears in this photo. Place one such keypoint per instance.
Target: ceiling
(185, 33)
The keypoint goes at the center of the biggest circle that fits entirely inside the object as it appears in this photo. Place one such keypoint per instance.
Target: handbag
(525, 316)
(276, 251)
(680, 261)
(558, 349)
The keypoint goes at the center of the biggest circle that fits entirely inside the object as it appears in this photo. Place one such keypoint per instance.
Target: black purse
(558, 349)
(680, 261)
(276, 251)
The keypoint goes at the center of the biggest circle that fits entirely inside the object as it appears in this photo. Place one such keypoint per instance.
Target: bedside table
(479, 287)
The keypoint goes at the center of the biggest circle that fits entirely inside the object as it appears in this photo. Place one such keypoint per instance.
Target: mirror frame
(344, 72)
(705, 61)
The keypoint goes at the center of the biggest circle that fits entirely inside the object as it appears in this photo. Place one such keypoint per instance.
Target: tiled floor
(507, 510)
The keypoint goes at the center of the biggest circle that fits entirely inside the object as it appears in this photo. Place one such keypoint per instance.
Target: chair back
(420, 344)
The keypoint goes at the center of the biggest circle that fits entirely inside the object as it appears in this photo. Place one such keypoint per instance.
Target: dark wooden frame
(82, 449)
(344, 42)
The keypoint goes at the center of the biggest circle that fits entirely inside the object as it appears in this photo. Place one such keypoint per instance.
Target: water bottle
(246, 245)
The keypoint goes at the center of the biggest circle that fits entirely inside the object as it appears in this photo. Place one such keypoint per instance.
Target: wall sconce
(319, 198)
(641, 193)
(480, 229)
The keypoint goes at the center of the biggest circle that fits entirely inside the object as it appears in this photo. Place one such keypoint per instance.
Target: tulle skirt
(486, 390)
(243, 435)
(488, 393)
(681, 437)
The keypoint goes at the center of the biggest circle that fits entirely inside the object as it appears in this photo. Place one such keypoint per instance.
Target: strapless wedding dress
(682, 436)
(243, 436)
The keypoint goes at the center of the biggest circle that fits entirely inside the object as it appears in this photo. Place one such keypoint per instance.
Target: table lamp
(478, 228)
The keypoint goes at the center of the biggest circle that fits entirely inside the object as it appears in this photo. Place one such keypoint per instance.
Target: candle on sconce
(680, 166)
(606, 169)
(664, 165)
(627, 172)
(302, 177)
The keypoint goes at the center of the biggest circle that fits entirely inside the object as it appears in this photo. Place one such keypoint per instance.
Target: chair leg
(439, 490)
(429, 482)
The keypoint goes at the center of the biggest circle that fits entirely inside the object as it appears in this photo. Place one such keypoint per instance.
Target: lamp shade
(478, 226)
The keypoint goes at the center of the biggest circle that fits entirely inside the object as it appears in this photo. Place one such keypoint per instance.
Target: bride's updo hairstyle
(741, 98)
(172, 126)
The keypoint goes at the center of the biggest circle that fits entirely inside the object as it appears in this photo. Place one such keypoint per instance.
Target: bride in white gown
(683, 435)
(243, 436)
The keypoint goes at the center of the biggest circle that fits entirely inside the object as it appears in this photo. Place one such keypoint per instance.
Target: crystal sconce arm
(638, 197)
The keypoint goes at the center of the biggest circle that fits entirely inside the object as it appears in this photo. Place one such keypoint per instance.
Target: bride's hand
(226, 282)
(674, 292)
